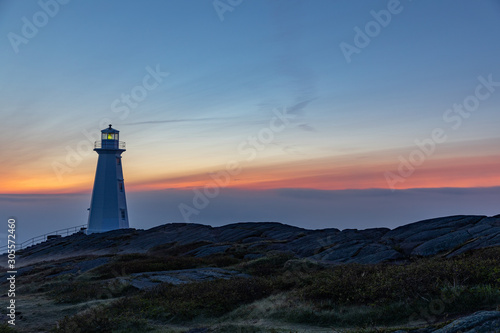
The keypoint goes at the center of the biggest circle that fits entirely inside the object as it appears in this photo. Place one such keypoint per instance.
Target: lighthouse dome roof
(110, 130)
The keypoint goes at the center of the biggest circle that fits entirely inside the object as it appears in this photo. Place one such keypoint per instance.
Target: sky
(345, 114)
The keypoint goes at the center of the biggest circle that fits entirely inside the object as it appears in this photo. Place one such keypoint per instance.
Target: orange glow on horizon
(467, 172)
(44, 186)
(364, 171)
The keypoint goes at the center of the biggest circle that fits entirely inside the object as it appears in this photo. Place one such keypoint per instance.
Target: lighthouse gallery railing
(43, 238)
(109, 144)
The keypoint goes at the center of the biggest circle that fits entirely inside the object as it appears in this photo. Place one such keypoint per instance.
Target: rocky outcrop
(447, 236)
(147, 280)
(479, 322)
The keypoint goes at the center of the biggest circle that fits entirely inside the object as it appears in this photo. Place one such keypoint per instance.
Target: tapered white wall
(108, 208)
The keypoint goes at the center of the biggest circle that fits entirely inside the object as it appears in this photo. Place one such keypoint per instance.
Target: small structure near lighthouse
(108, 207)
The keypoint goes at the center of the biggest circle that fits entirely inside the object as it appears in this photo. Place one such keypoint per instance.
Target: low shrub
(97, 320)
(271, 264)
(6, 328)
(82, 291)
(342, 295)
(382, 283)
(208, 298)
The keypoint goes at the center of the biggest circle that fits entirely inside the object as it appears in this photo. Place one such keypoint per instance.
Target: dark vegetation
(136, 263)
(6, 328)
(425, 290)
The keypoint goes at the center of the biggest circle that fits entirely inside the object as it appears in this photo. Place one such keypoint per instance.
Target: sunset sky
(332, 112)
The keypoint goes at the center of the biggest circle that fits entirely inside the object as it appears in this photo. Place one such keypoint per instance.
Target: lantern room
(109, 140)
(110, 134)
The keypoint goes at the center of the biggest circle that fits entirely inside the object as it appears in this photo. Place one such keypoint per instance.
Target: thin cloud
(307, 128)
(293, 150)
(299, 107)
(175, 121)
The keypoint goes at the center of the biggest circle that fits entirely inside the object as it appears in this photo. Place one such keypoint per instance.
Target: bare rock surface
(479, 322)
(147, 280)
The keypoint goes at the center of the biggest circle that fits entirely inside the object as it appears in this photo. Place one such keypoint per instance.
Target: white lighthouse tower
(108, 207)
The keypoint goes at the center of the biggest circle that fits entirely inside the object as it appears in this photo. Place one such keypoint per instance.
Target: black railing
(109, 144)
(43, 238)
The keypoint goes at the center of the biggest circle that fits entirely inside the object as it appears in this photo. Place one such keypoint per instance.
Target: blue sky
(225, 80)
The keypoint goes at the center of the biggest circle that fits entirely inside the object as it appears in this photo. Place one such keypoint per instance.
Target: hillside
(451, 235)
(438, 275)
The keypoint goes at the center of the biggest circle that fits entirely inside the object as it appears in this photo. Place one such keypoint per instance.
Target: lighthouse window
(109, 136)
(120, 184)
(122, 211)
(118, 161)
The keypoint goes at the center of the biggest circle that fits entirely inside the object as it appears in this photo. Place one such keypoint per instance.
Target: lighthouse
(108, 206)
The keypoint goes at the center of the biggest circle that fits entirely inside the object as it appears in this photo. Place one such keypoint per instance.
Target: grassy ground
(283, 295)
